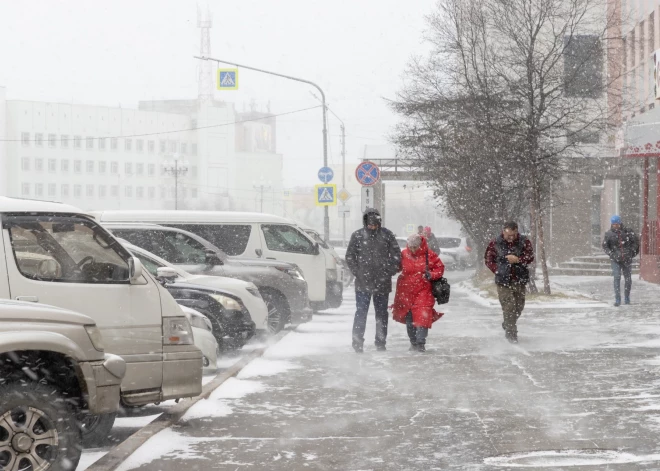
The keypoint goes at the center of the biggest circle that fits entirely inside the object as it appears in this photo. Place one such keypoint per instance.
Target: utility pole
(343, 181)
(261, 187)
(175, 169)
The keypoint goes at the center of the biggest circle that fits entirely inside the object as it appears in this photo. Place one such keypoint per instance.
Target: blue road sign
(367, 173)
(326, 174)
(326, 194)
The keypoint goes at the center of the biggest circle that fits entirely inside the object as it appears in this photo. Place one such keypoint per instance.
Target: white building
(103, 157)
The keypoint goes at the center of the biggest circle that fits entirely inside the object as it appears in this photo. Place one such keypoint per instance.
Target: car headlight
(201, 323)
(253, 291)
(95, 336)
(331, 274)
(177, 331)
(228, 303)
(292, 272)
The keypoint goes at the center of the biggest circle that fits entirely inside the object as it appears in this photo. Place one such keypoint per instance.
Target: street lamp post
(176, 169)
(261, 187)
(326, 217)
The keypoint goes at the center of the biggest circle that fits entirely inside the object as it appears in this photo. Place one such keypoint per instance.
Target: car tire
(278, 311)
(96, 429)
(48, 418)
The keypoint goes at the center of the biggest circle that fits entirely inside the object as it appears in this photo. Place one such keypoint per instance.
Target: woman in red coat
(414, 301)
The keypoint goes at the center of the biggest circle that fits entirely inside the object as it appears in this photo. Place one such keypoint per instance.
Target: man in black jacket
(374, 257)
(621, 245)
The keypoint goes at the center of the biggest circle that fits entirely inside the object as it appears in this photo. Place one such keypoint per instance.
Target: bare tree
(535, 71)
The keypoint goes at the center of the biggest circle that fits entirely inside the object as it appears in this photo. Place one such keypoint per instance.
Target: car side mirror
(168, 274)
(259, 252)
(135, 270)
(316, 249)
(212, 258)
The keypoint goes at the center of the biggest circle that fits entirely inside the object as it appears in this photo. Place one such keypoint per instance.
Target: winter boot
(358, 347)
(512, 337)
(627, 300)
(421, 347)
(381, 348)
(413, 347)
(617, 303)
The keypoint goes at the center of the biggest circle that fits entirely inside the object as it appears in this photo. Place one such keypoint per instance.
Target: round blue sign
(326, 174)
(367, 173)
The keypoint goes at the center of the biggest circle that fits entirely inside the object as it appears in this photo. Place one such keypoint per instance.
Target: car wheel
(278, 312)
(38, 429)
(96, 428)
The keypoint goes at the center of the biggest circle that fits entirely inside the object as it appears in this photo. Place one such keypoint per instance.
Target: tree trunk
(541, 241)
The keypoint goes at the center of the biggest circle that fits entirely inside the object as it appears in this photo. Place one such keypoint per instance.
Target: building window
(25, 164)
(64, 141)
(151, 170)
(77, 142)
(89, 143)
(113, 143)
(128, 191)
(139, 192)
(184, 148)
(128, 168)
(163, 192)
(25, 140)
(193, 149)
(52, 190)
(52, 165)
(101, 191)
(139, 145)
(90, 166)
(193, 171)
(52, 140)
(102, 166)
(152, 192)
(101, 143)
(114, 191)
(151, 147)
(39, 164)
(114, 168)
(64, 166)
(39, 139)
(173, 146)
(25, 189)
(77, 191)
(128, 144)
(139, 169)
(90, 191)
(193, 192)
(38, 189)
(64, 189)
(162, 145)
(77, 166)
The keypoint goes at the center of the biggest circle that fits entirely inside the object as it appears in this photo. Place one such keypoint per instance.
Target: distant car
(447, 259)
(334, 291)
(204, 339)
(460, 248)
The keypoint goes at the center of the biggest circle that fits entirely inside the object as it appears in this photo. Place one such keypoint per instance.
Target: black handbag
(440, 288)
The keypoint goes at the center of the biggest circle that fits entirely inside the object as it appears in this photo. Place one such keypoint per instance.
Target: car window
(151, 241)
(66, 249)
(283, 238)
(403, 243)
(318, 239)
(448, 242)
(150, 265)
(232, 239)
(187, 248)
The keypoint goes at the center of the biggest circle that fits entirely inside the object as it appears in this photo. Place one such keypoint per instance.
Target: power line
(178, 130)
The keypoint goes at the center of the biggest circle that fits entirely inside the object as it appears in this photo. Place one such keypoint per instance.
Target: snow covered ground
(580, 391)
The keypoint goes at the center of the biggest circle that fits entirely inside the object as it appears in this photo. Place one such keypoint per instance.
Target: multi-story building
(116, 158)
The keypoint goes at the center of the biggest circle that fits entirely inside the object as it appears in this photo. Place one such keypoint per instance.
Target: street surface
(580, 391)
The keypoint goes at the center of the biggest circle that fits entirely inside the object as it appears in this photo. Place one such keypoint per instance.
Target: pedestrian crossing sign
(227, 79)
(326, 194)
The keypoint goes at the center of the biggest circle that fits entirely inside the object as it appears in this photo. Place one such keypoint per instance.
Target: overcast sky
(120, 52)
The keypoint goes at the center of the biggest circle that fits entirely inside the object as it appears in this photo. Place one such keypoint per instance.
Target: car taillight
(469, 249)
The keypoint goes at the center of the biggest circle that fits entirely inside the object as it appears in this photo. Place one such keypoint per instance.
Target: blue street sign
(326, 174)
(367, 173)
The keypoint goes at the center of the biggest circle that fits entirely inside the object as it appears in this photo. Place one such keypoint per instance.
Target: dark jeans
(417, 335)
(626, 268)
(363, 300)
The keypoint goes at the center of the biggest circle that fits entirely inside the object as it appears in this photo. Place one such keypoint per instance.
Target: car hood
(257, 262)
(219, 282)
(32, 312)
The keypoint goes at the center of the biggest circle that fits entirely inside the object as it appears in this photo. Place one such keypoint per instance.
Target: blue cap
(616, 219)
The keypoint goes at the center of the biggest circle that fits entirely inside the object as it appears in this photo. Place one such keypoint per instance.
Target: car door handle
(30, 299)
(271, 258)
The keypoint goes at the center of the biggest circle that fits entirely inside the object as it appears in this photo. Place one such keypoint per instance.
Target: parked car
(281, 284)
(447, 259)
(54, 376)
(55, 254)
(334, 271)
(204, 338)
(228, 303)
(460, 248)
(244, 236)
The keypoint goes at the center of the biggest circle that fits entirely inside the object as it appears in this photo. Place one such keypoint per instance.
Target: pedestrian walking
(373, 256)
(414, 301)
(508, 256)
(430, 238)
(621, 244)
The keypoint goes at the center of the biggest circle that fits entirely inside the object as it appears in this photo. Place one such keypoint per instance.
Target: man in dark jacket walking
(621, 245)
(374, 257)
(508, 256)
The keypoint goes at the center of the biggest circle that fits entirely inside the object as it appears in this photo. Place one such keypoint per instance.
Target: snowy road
(583, 381)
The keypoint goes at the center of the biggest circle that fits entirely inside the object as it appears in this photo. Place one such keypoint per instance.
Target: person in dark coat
(431, 239)
(621, 244)
(414, 301)
(373, 256)
(508, 256)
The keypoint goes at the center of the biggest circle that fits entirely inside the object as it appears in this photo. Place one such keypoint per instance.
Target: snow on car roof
(19, 205)
(172, 216)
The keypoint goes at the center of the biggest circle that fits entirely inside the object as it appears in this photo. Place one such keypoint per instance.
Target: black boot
(413, 347)
(421, 347)
(358, 347)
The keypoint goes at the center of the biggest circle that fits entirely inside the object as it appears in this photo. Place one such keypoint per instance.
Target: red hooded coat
(413, 290)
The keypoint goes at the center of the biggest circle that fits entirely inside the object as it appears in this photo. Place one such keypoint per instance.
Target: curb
(121, 452)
